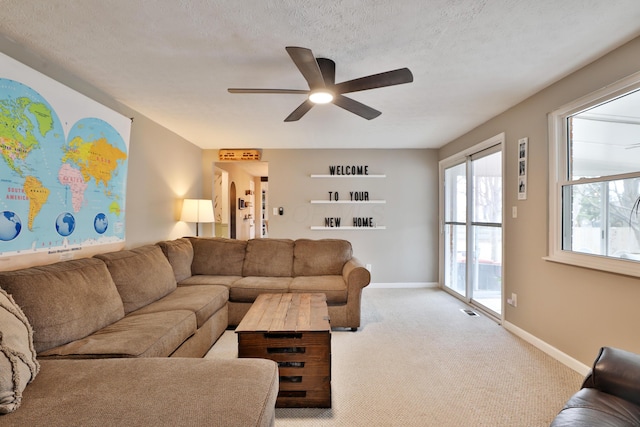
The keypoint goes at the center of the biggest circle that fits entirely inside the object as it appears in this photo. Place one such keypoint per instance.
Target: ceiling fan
(320, 73)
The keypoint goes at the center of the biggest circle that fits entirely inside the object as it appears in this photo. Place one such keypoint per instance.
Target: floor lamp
(197, 210)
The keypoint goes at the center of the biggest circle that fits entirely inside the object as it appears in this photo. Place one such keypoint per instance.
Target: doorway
(471, 246)
(240, 193)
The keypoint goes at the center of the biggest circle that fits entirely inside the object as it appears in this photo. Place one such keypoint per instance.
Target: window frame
(558, 173)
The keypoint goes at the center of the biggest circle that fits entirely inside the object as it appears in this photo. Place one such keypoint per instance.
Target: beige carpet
(418, 360)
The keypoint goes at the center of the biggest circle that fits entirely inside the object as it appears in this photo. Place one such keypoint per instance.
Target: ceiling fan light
(321, 97)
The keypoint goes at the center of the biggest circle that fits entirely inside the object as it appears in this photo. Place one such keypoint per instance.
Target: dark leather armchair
(610, 394)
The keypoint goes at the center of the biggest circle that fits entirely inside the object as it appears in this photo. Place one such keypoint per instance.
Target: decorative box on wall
(352, 197)
(238, 154)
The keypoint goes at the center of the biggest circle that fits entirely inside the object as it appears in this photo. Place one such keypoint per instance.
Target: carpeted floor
(417, 360)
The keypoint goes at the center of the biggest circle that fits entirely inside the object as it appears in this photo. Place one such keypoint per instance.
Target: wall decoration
(522, 168)
(360, 197)
(240, 154)
(63, 169)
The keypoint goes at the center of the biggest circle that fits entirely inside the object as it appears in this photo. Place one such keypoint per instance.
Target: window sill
(595, 262)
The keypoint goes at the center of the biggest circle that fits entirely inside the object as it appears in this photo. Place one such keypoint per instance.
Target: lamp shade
(197, 210)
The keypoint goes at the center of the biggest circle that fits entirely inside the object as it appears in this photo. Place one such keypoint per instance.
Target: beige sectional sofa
(120, 304)
(249, 268)
(116, 335)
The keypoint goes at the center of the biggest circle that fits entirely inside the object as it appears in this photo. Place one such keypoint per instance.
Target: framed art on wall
(522, 168)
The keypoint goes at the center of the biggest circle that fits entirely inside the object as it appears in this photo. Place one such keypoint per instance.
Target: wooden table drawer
(292, 330)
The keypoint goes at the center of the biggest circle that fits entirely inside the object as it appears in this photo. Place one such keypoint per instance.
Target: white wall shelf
(348, 176)
(377, 227)
(365, 195)
(355, 202)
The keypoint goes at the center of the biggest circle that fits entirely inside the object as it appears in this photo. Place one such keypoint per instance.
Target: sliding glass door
(455, 228)
(472, 228)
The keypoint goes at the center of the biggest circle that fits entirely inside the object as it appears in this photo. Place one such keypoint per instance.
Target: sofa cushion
(203, 300)
(18, 364)
(179, 252)
(247, 289)
(143, 335)
(64, 301)
(205, 279)
(269, 257)
(320, 257)
(332, 286)
(150, 392)
(142, 275)
(218, 256)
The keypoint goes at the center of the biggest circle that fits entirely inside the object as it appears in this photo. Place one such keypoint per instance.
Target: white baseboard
(403, 285)
(561, 357)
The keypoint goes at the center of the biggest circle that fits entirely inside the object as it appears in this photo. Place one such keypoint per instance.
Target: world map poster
(63, 169)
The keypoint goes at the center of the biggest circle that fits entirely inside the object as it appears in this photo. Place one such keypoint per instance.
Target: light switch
(514, 212)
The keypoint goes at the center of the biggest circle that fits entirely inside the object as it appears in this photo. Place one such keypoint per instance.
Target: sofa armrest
(616, 372)
(355, 275)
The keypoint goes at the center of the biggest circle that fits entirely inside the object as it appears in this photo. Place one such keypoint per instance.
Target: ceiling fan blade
(328, 70)
(300, 111)
(389, 78)
(308, 66)
(285, 91)
(356, 107)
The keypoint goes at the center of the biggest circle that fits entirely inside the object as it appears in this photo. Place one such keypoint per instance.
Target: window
(595, 180)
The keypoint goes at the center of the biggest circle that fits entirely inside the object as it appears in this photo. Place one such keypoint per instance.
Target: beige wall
(161, 174)
(406, 252)
(573, 309)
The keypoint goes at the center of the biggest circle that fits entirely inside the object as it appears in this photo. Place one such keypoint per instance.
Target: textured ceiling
(173, 60)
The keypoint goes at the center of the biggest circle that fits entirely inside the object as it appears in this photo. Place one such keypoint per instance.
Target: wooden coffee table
(293, 330)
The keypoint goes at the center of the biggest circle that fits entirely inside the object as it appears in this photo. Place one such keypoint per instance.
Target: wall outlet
(513, 301)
